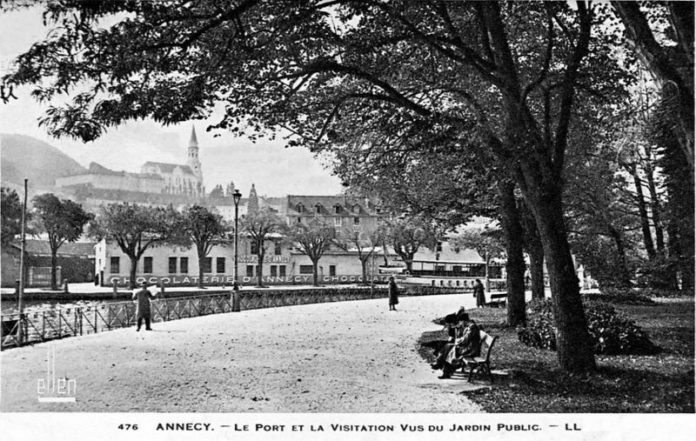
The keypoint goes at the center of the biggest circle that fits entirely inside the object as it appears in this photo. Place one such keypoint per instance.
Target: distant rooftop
(168, 168)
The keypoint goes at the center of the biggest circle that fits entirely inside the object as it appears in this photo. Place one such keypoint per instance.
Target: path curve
(335, 357)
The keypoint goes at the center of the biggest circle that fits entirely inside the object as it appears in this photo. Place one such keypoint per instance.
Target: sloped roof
(41, 248)
(98, 169)
(327, 204)
(168, 168)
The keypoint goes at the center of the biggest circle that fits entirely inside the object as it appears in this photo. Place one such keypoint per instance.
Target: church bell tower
(193, 160)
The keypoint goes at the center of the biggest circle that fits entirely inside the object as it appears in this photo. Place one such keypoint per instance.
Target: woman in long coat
(479, 294)
(393, 294)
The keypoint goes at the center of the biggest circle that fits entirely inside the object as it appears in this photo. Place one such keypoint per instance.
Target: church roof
(168, 168)
(98, 169)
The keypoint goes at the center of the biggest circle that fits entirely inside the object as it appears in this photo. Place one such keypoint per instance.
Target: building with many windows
(178, 266)
(340, 211)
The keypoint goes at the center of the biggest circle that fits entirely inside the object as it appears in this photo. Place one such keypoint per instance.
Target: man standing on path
(142, 299)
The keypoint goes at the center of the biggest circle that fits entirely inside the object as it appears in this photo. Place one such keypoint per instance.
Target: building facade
(178, 266)
(341, 212)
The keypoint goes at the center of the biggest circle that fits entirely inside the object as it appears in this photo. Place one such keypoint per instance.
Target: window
(172, 265)
(281, 270)
(254, 248)
(356, 208)
(208, 265)
(457, 269)
(439, 247)
(356, 221)
(337, 222)
(250, 270)
(277, 249)
(183, 265)
(306, 269)
(300, 208)
(332, 270)
(337, 209)
(115, 266)
(318, 208)
(147, 265)
(274, 271)
(299, 220)
(220, 263)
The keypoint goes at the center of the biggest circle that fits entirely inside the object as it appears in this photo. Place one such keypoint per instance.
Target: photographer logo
(55, 390)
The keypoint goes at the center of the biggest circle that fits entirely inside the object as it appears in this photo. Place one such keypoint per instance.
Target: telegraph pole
(20, 300)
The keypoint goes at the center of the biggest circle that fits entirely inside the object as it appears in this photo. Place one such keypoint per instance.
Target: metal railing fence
(55, 323)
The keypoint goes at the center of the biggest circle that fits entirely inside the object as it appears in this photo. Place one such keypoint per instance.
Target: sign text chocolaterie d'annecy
(302, 279)
(253, 258)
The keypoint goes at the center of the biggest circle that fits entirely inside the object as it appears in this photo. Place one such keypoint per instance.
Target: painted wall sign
(302, 279)
(253, 258)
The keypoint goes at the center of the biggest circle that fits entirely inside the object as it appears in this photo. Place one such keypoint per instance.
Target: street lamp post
(235, 286)
(237, 197)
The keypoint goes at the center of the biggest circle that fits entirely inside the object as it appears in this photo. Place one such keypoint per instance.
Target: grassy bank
(622, 383)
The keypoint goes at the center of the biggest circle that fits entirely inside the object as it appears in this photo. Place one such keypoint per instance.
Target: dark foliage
(660, 383)
(618, 295)
(610, 332)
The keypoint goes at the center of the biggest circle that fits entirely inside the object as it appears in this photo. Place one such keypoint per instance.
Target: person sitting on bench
(467, 343)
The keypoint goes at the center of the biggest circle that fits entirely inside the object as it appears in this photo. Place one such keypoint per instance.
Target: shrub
(544, 307)
(619, 295)
(539, 332)
(613, 333)
(653, 292)
(610, 332)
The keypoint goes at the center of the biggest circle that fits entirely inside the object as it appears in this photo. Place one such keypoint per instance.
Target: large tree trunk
(535, 249)
(259, 272)
(133, 271)
(363, 263)
(668, 278)
(201, 261)
(409, 263)
(514, 245)
(315, 271)
(643, 211)
(536, 271)
(656, 209)
(573, 348)
(673, 67)
(54, 265)
(624, 277)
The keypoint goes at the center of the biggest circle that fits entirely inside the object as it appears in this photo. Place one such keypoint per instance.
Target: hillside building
(155, 178)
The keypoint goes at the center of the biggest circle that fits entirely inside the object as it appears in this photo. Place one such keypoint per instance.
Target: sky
(275, 170)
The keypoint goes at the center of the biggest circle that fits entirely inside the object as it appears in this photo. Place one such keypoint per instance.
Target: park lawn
(622, 383)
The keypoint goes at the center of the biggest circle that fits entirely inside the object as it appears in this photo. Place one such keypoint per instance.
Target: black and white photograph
(347, 219)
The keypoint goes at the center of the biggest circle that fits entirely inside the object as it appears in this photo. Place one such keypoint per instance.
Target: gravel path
(334, 357)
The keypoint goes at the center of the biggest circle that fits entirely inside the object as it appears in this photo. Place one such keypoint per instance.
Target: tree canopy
(259, 226)
(135, 228)
(11, 215)
(494, 83)
(63, 220)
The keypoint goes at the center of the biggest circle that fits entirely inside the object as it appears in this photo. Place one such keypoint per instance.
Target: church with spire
(158, 183)
(180, 179)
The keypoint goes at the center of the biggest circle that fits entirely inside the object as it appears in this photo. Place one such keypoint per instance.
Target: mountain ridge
(23, 156)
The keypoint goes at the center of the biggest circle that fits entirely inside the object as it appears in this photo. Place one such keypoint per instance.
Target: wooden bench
(498, 299)
(480, 364)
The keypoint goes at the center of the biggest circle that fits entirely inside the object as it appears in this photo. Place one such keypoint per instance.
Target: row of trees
(137, 228)
(513, 99)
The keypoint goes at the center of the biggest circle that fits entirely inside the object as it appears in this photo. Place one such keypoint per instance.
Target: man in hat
(467, 343)
(142, 299)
